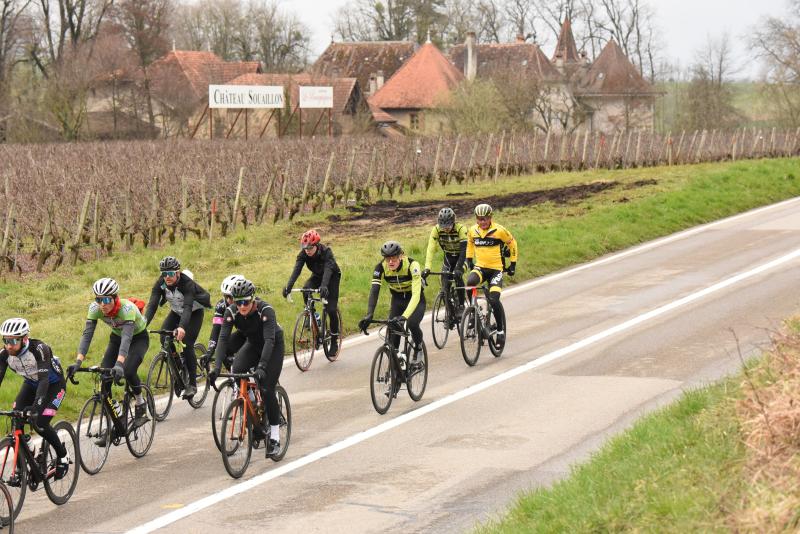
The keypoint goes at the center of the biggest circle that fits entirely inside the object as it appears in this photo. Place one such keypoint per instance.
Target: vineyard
(73, 202)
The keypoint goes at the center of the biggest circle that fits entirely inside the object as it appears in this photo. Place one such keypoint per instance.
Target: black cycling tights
(248, 357)
(26, 397)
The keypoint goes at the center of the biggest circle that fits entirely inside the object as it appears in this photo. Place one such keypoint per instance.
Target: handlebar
(309, 291)
(105, 371)
(447, 273)
(388, 323)
(170, 333)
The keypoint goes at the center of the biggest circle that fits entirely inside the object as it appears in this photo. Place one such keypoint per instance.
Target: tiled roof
(360, 60)
(422, 82)
(196, 70)
(345, 90)
(504, 59)
(613, 74)
(378, 115)
(565, 48)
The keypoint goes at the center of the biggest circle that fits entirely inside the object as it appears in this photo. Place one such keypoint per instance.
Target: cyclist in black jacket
(237, 339)
(325, 275)
(263, 350)
(186, 301)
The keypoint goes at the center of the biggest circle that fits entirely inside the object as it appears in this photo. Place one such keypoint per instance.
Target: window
(413, 120)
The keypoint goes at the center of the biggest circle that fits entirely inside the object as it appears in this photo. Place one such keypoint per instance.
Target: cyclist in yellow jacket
(488, 244)
(451, 237)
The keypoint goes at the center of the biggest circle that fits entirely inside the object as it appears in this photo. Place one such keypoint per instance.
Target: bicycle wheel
(494, 346)
(6, 509)
(159, 380)
(139, 437)
(14, 477)
(382, 380)
(61, 490)
(470, 335)
(236, 439)
(303, 344)
(285, 428)
(417, 376)
(223, 397)
(440, 321)
(202, 379)
(327, 338)
(94, 435)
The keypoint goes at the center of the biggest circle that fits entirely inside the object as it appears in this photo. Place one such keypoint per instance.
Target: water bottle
(252, 395)
(319, 321)
(401, 357)
(117, 407)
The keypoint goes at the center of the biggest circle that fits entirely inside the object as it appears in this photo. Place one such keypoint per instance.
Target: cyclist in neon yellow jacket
(451, 237)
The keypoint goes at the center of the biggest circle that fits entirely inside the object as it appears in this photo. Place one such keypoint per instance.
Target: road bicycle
(392, 368)
(312, 331)
(6, 510)
(23, 467)
(477, 326)
(168, 375)
(104, 421)
(237, 426)
(445, 316)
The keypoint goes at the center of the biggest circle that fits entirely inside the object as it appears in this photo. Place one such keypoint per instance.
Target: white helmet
(15, 327)
(105, 287)
(227, 284)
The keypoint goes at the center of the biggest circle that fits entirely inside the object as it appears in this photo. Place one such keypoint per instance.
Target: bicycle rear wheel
(201, 374)
(382, 380)
(236, 439)
(139, 438)
(159, 380)
(61, 490)
(223, 397)
(285, 426)
(417, 376)
(327, 338)
(494, 346)
(15, 478)
(440, 321)
(94, 435)
(6, 509)
(470, 335)
(303, 342)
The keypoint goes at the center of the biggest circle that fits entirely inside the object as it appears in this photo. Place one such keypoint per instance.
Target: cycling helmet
(15, 327)
(310, 238)
(227, 284)
(168, 263)
(106, 287)
(447, 218)
(483, 210)
(391, 248)
(242, 288)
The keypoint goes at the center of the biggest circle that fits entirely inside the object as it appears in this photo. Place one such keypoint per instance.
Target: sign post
(313, 97)
(243, 97)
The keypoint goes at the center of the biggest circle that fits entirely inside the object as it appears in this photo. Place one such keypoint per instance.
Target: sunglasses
(171, 274)
(104, 300)
(243, 302)
(12, 340)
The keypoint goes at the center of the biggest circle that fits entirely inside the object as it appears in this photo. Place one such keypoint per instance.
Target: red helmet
(309, 239)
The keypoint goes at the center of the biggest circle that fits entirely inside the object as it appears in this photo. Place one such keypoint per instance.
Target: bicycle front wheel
(382, 380)
(201, 375)
(285, 425)
(159, 380)
(222, 399)
(6, 509)
(140, 433)
(328, 338)
(60, 490)
(14, 477)
(440, 321)
(470, 335)
(94, 436)
(237, 439)
(417, 375)
(303, 341)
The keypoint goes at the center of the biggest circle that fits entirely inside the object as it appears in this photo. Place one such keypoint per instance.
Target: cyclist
(264, 347)
(452, 238)
(187, 301)
(325, 275)
(237, 339)
(127, 343)
(488, 244)
(43, 386)
(404, 278)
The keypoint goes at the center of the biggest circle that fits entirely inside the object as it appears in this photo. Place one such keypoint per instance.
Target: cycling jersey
(407, 279)
(486, 247)
(125, 323)
(260, 327)
(322, 264)
(216, 322)
(35, 363)
(452, 242)
(184, 297)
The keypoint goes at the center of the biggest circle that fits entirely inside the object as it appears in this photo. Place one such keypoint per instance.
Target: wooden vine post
(76, 242)
(237, 199)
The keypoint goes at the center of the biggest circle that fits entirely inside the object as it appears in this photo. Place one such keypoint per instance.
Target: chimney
(471, 63)
(373, 84)
(379, 79)
(520, 38)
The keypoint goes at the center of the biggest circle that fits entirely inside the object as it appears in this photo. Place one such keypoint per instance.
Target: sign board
(316, 97)
(245, 96)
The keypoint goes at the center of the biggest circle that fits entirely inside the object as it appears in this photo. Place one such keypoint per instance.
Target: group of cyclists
(246, 335)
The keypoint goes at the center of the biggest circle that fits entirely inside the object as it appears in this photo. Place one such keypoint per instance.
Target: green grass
(551, 236)
(677, 470)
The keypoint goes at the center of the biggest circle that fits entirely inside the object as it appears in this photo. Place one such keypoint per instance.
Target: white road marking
(355, 439)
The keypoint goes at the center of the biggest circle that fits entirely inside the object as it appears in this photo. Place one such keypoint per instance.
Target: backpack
(139, 303)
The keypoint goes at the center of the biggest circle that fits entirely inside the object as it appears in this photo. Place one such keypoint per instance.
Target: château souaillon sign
(266, 96)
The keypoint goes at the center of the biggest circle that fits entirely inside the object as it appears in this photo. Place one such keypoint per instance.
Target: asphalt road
(589, 350)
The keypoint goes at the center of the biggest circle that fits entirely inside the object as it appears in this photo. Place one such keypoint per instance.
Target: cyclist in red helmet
(325, 276)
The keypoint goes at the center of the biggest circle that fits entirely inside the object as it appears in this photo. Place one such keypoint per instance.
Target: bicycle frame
(406, 344)
(309, 306)
(245, 386)
(101, 374)
(21, 447)
(174, 359)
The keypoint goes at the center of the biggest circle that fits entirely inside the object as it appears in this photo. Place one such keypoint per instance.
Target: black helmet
(168, 263)
(391, 248)
(242, 288)
(447, 218)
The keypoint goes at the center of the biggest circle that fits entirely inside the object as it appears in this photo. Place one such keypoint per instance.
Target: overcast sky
(685, 24)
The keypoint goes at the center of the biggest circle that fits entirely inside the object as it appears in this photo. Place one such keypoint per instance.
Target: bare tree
(461, 17)
(492, 21)
(521, 17)
(11, 12)
(390, 20)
